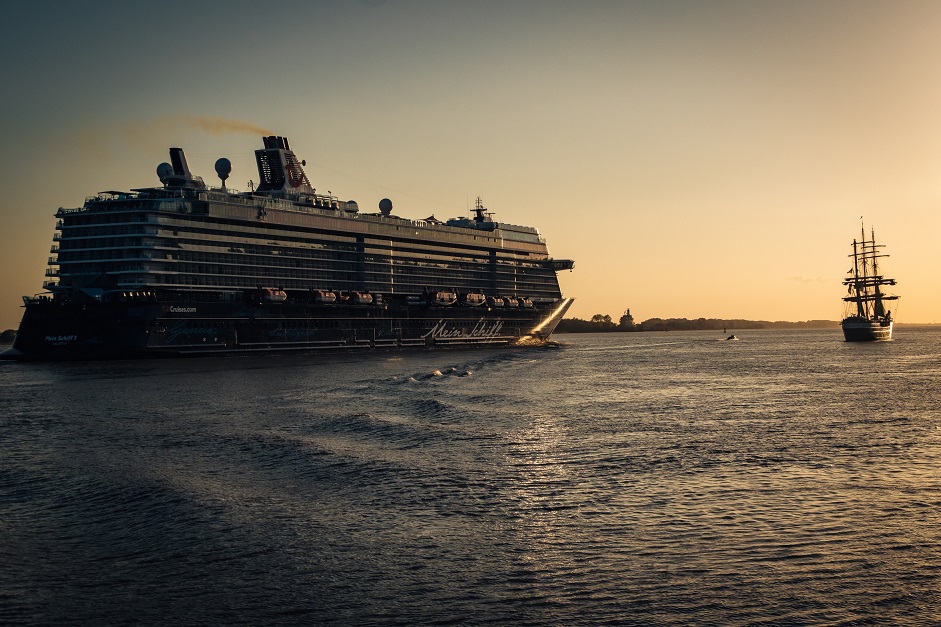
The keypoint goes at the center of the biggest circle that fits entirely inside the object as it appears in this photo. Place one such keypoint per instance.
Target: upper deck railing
(325, 205)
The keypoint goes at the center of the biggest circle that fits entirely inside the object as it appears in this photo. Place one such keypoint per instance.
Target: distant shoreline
(577, 325)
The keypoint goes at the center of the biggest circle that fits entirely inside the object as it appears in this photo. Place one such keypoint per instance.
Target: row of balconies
(250, 256)
(416, 280)
(422, 272)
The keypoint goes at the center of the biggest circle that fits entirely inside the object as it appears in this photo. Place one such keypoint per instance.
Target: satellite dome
(223, 168)
(164, 171)
(385, 206)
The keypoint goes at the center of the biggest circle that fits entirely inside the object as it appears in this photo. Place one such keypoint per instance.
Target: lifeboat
(360, 298)
(444, 299)
(474, 300)
(272, 295)
(509, 301)
(494, 301)
(324, 297)
(525, 303)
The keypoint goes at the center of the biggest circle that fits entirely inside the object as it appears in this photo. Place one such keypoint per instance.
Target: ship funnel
(177, 173)
(178, 161)
(278, 169)
(273, 142)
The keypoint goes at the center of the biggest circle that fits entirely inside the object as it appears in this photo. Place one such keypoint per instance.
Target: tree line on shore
(601, 323)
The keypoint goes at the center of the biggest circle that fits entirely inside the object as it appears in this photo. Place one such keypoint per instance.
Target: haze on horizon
(696, 159)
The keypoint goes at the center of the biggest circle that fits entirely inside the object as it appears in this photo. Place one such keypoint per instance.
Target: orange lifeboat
(511, 302)
(272, 295)
(474, 300)
(324, 297)
(525, 303)
(444, 299)
(360, 298)
(494, 301)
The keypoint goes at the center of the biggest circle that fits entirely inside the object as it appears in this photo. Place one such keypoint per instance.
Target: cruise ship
(187, 269)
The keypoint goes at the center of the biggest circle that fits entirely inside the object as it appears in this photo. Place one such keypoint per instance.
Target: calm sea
(649, 478)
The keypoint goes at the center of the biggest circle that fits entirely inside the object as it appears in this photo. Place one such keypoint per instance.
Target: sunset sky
(695, 159)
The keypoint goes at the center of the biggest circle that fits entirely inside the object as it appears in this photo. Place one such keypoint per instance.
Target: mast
(866, 282)
(857, 285)
(480, 212)
(879, 309)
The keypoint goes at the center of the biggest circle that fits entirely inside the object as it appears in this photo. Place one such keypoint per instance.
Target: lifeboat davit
(324, 297)
(272, 295)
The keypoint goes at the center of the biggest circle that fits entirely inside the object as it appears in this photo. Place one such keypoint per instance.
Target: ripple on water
(630, 479)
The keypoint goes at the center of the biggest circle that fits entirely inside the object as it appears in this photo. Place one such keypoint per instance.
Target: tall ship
(867, 312)
(187, 269)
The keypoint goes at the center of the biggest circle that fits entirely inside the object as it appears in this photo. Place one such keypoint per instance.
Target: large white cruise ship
(184, 268)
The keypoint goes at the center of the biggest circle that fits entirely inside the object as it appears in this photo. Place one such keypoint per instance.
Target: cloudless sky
(696, 159)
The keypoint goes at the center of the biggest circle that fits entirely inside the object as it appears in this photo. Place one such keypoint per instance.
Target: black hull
(52, 331)
(862, 330)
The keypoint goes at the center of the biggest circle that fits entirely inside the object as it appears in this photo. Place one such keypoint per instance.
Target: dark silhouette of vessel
(868, 316)
(188, 269)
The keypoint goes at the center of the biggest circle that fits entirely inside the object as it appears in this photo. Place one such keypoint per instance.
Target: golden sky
(696, 159)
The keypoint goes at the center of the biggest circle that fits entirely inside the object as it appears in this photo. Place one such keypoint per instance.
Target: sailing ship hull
(103, 330)
(857, 329)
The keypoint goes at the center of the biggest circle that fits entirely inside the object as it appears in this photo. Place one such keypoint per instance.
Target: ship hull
(52, 331)
(862, 330)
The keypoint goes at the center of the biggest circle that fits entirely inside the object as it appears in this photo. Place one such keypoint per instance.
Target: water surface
(647, 478)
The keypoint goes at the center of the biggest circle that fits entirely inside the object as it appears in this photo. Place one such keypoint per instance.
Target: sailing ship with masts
(867, 311)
